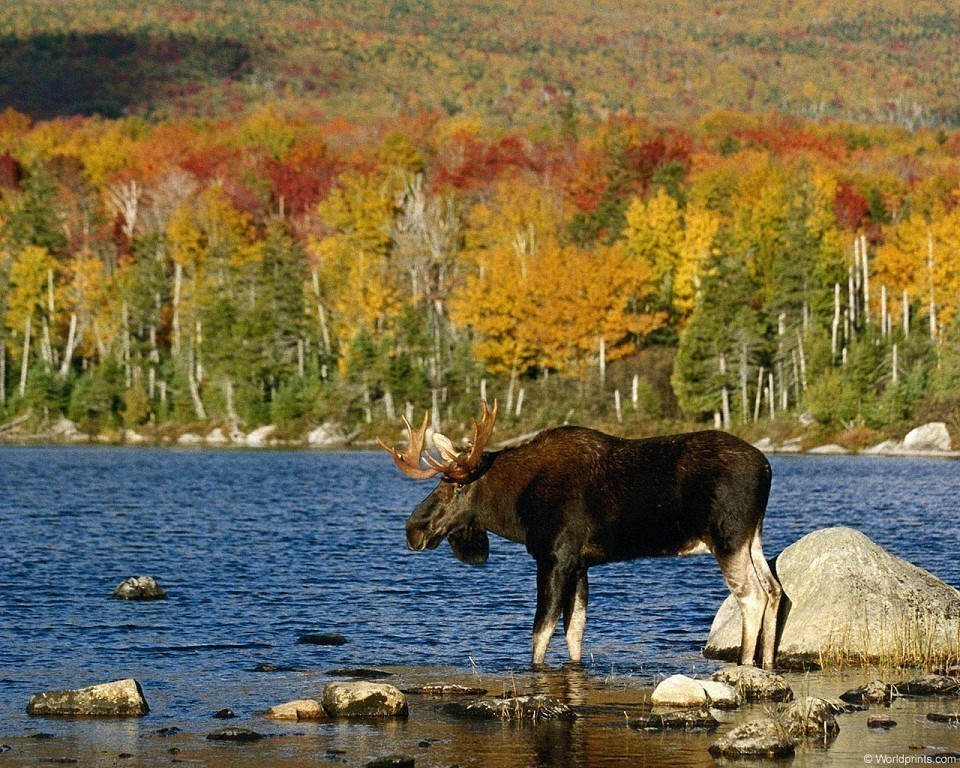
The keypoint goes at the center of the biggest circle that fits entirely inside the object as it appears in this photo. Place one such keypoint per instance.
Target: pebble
(224, 714)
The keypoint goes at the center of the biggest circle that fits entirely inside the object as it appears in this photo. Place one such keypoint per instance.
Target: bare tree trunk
(513, 382)
(894, 373)
(756, 405)
(520, 395)
(68, 352)
(322, 314)
(195, 395)
(25, 362)
(744, 394)
(617, 406)
(483, 389)
(435, 410)
(866, 278)
(177, 288)
(128, 374)
(724, 393)
(388, 405)
(3, 371)
(883, 310)
(933, 305)
(46, 353)
(300, 358)
(834, 331)
(199, 351)
(803, 365)
(906, 315)
(231, 410)
(771, 396)
(635, 391)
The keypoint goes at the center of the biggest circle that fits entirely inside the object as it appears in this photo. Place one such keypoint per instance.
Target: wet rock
(125, 755)
(443, 689)
(944, 717)
(363, 699)
(930, 685)
(521, 708)
(392, 761)
(874, 692)
(754, 684)
(683, 691)
(757, 738)
(5, 748)
(235, 734)
(322, 639)
(164, 733)
(831, 449)
(224, 714)
(683, 719)
(139, 588)
(850, 600)
(360, 673)
(122, 698)
(928, 437)
(300, 709)
(878, 721)
(42, 735)
(811, 716)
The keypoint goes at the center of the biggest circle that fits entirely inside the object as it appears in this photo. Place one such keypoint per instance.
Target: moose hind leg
(575, 613)
(773, 590)
(551, 582)
(741, 576)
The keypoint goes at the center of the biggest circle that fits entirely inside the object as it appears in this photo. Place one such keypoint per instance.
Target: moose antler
(457, 467)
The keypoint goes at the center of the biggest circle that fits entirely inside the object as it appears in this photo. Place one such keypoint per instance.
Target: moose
(576, 497)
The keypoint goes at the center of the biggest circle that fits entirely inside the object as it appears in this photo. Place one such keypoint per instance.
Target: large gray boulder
(122, 698)
(847, 599)
(928, 437)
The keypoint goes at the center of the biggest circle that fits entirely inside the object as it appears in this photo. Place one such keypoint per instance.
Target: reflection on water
(255, 549)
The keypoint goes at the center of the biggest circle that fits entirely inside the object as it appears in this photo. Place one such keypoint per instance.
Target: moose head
(450, 510)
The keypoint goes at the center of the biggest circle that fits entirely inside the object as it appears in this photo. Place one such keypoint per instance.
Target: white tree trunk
(68, 352)
(25, 362)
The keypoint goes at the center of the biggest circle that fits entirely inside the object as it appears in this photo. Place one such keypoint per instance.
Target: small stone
(265, 668)
(881, 722)
(930, 685)
(173, 751)
(125, 755)
(42, 735)
(874, 692)
(167, 732)
(531, 708)
(684, 719)
(139, 588)
(5, 748)
(944, 717)
(235, 734)
(754, 684)
(318, 639)
(122, 698)
(424, 745)
(300, 709)
(757, 738)
(363, 699)
(392, 761)
(442, 689)
(224, 714)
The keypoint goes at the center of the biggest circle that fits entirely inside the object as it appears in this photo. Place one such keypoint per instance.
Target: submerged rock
(235, 734)
(360, 673)
(122, 698)
(521, 708)
(757, 738)
(754, 684)
(944, 717)
(881, 722)
(392, 761)
(444, 689)
(930, 685)
(684, 719)
(874, 692)
(362, 699)
(322, 639)
(139, 588)
(848, 599)
(224, 714)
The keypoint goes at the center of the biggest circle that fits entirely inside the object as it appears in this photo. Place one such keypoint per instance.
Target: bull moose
(576, 498)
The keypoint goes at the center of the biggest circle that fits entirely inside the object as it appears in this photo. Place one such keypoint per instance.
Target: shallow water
(257, 548)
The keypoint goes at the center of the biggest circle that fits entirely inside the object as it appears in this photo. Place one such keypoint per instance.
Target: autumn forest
(186, 247)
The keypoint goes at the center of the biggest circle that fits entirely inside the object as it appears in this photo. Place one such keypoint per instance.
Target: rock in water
(363, 699)
(875, 692)
(444, 689)
(683, 691)
(755, 684)
(811, 716)
(930, 685)
(123, 698)
(139, 588)
(850, 600)
(301, 709)
(322, 639)
(758, 738)
(521, 708)
(234, 734)
(392, 761)
(685, 719)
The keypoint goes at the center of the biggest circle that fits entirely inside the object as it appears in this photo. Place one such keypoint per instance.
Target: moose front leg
(552, 580)
(575, 612)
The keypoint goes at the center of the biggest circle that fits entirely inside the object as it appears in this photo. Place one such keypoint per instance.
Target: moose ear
(471, 544)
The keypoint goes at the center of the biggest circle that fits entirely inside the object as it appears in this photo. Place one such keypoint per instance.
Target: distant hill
(507, 61)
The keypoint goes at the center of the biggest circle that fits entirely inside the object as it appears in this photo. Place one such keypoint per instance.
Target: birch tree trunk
(177, 288)
(25, 362)
(68, 352)
(3, 371)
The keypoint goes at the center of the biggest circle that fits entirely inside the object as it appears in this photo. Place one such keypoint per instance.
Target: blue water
(258, 548)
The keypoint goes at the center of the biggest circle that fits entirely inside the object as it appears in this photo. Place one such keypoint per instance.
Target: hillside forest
(280, 268)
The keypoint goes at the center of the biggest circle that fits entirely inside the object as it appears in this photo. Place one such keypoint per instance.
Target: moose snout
(419, 538)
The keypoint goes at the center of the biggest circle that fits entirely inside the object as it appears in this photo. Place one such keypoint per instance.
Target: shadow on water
(110, 73)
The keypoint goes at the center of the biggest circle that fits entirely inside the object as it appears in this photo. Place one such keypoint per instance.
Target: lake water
(258, 548)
